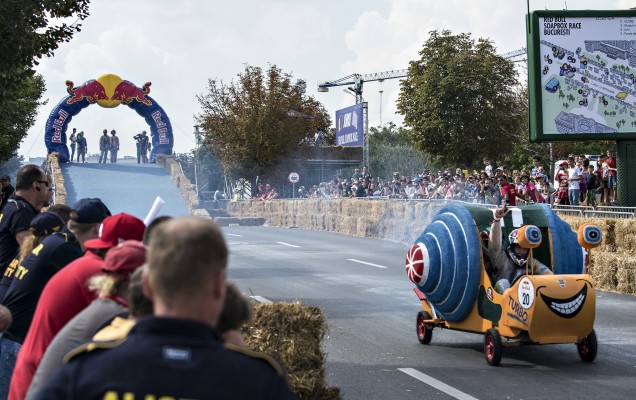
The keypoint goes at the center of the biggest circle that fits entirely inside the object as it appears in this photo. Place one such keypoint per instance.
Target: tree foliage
(17, 115)
(461, 100)
(252, 124)
(29, 30)
(391, 150)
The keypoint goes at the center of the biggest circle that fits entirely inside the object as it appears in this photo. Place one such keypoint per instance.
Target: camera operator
(141, 140)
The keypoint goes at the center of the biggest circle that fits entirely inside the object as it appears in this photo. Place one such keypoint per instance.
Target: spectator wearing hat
(42, 225)
(139, 305)
(111, 288)
(6, 190)
(55, 252)
(24, 280)
(33, 191)
(177, 352)
(55, 310)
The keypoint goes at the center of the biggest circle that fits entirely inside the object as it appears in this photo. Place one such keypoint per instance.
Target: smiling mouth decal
(566, 308)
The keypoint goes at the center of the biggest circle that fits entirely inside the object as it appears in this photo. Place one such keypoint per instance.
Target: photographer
(141, 140)
(489, 193)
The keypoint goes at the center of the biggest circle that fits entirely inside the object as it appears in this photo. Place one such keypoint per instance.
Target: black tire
(588, 347)
(492, 347)
(424, 331)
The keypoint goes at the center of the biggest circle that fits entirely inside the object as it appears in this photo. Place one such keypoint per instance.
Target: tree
(18, 114)
(252, 124)
(391, 149)
(30, 30)
(461, 100)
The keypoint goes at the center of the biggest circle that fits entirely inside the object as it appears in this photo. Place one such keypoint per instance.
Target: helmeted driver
(509, 262)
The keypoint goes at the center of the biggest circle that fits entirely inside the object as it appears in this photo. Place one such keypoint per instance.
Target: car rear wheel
(492, 347)
(588, 347)
(424, 330)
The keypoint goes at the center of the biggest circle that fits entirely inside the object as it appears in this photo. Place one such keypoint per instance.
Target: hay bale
(626, 273)
(625, 235)
(603, 267)
(292, 333)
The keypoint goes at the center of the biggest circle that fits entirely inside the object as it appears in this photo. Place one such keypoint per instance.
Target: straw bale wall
(183, 184)
(613, 264)
(53, 169)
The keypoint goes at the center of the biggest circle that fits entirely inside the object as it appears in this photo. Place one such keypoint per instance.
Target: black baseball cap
(89, 211)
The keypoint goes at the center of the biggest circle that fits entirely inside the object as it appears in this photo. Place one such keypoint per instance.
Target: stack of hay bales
(186, 188)
(292, 333)
(612, 264)
(53, 163)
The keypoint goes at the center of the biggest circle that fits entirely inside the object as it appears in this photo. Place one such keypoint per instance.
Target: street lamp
(197, 135)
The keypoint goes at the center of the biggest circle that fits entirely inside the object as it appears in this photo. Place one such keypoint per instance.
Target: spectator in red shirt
(508, 192)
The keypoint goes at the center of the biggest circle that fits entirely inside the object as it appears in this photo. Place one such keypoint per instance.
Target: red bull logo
(100, 91)
(162, 129)
(57, 127)
(127, 92)
(91, 90)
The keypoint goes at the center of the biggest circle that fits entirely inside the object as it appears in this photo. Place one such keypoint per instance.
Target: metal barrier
(607, 214)
(570, 212)
(616, 209)
(568, 207)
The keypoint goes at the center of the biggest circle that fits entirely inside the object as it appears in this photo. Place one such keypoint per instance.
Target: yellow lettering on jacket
(113, 395)
(36, 251)
(21, 272)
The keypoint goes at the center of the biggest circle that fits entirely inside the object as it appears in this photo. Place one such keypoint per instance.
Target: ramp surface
(124, 187)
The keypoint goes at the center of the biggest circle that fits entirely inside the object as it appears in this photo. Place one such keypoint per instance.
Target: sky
(179, 45)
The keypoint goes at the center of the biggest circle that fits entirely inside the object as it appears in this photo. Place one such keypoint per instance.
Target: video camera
(138, 136)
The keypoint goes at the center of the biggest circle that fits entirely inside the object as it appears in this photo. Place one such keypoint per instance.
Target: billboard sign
(349, 129)
(582, 75)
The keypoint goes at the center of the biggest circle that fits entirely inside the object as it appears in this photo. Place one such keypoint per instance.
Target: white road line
(234, 234)
(449, 390)
(287, 244)
(261, 299)
(366, 263)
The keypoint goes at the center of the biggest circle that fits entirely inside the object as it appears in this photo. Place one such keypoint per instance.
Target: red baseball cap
(116, 229)
(125, 258)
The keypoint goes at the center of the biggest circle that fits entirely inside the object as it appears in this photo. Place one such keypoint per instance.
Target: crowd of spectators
(489, 185)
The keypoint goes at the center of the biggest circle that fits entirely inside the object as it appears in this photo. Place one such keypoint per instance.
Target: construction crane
(356, 81)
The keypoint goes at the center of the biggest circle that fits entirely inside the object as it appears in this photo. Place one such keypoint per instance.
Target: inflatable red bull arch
(108, 91)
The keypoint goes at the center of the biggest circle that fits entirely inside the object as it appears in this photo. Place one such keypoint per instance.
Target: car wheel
(492, 347)
(424, 330)
(588, 347)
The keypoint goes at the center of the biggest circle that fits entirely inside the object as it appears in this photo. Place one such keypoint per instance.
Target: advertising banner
(582, 69)
(349, 129)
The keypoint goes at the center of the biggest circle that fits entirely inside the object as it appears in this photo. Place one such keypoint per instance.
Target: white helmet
(512, 238)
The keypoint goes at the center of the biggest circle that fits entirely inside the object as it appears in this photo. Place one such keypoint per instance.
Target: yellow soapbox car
(452, 270)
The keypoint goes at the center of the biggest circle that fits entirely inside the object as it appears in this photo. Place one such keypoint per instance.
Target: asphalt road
(124, 187)
(372, 348)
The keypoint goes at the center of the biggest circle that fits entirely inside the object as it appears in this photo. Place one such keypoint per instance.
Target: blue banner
(349, 127)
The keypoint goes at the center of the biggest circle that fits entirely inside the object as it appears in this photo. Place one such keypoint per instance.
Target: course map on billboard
(588, 74)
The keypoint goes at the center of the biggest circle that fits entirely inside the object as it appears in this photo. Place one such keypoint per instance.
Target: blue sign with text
(349, 126)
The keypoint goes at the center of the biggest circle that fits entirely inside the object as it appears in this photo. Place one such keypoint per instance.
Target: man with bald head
(177, 353)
